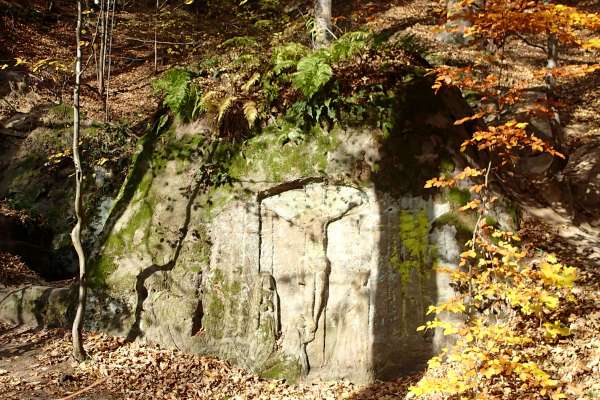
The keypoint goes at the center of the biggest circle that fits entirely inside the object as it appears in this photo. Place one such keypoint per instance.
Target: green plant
(174, 84)
(349, 45)
(312, 73)
(240, 41)
(287, 56)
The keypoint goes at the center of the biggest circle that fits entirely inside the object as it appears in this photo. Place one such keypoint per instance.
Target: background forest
(264, 80)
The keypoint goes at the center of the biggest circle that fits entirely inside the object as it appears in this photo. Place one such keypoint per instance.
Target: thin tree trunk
(156, 37)
(323, 25)
(102, 50)
(551, 64)
(78, 350)
(109, 57)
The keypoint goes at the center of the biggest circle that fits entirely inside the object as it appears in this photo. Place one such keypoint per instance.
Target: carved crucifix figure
(311, 210)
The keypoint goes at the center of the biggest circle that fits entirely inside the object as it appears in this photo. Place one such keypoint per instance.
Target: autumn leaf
(471, 118)
(556, 329)
(471, 205)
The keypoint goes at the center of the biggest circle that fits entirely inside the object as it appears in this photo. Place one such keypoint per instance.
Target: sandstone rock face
(298, 284)
(316, 263)
(38, 306)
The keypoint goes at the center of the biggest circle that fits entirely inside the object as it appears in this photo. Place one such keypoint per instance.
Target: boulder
(583, 172)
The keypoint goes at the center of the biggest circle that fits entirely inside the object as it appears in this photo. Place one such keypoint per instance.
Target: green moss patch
(414, 252)
(285, 152)
(282, 367)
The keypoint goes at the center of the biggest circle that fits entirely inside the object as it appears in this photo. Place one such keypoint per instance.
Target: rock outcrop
(308, 260)
(315, 263)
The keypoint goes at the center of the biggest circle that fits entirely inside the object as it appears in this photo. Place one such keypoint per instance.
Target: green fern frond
(298, 110)
(247, 61)
(198, 107)
(175, 85)
(240, 41)
(312, 73)
(250, 112)
(349, 45)
(287, 56)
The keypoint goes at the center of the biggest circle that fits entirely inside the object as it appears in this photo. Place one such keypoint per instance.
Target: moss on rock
(276, 158)
(282, 367)
(414, 252)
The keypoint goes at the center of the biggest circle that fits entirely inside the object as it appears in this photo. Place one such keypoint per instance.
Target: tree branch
(526, 41)
(159, 42)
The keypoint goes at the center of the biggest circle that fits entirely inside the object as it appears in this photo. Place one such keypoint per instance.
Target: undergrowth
(293, 86)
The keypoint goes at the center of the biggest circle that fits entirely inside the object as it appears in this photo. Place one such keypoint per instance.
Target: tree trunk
(551, 64)
(78, 350)
(323, 25)
(102, 50)
(156, 16)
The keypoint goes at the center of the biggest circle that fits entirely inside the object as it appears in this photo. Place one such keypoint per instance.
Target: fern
(210, 102)
(250, 112)
(224, 107)
(290, 134)
(250, 82)
(312, 73)
(240, 41)
(197, 106)
(349, 45)
(247, 61)
(298, 109)
(287, 56)
(175, 85)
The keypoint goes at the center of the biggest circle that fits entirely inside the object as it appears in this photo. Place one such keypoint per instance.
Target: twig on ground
(85, 389)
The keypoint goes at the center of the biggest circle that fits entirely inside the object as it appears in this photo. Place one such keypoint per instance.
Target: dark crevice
(197, 319)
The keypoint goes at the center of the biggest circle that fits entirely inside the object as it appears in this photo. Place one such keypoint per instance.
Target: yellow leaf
(494, 369)
(558, 395)
(551, 302)
(555, 329)
(592, 44)
(468, 254)
(472, 205)
(558, 275)
(471, 118)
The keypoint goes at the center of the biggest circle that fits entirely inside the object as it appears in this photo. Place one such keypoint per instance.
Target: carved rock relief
(295, 252)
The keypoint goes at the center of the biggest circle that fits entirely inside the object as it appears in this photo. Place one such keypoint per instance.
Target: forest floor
(35, 363)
